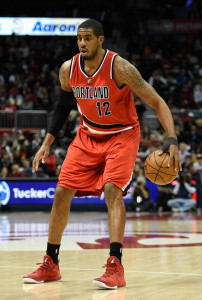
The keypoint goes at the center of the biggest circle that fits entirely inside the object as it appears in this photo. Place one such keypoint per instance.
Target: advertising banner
(174, 26)
(14, 192)
(40, 26)
(37, 192)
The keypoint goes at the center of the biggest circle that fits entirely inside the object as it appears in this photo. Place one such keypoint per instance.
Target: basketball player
(102, 156)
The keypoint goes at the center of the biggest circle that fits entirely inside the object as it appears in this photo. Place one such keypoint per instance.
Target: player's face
(88, 43)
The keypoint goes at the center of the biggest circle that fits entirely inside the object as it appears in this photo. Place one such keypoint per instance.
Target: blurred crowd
(29, 69)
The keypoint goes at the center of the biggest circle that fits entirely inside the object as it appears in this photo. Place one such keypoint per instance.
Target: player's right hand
(41, 155)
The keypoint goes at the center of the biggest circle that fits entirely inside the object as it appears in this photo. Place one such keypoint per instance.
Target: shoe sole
(103, 285)
(30, 280)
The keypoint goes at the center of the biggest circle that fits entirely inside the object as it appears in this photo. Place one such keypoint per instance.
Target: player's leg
(49, 269)
(58, 220)
(114, 275)
(59, 214)
(116, 214)
(117, 177)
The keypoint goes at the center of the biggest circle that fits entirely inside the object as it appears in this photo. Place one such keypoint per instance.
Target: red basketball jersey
(104, 108)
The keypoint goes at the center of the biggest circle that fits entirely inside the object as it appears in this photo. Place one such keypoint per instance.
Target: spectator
(6, 161)
(187, 166)
(15, 97)
(182, 77)
(16, 171)
(43, 99)
(183, 151)
(40, 173)
(146, 134)
(27, 169)
(7, 143)
(198, 96)
(2, 80)
(75, 127)
(172, 84)
(178, 122)
(183, 192)
(186, 97)
(55, 94)
(158, 82)
(138, 169)
(196, 150)
(21, 143)
(198, 165)
(141, 196)
(51, 163)
(188, 120)
(8, 107)
(199, 127)
(180, 134)
(4, 173)
(36, 142)
(28, 104)
(57, 171)
(164, 194)
(192, 137)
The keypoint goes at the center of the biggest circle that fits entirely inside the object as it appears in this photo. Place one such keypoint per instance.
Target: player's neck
(94, 63)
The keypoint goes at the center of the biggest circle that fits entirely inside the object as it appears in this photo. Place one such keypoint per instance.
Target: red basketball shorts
(91, 162)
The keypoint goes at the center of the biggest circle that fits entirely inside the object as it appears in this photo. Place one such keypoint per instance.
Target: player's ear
(101, 39)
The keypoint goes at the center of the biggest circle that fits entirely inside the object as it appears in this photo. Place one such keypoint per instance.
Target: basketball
(157, 170)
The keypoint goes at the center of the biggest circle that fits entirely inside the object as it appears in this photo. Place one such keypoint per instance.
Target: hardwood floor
(161, 256)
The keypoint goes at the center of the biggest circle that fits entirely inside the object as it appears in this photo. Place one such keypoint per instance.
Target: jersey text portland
(89, 92)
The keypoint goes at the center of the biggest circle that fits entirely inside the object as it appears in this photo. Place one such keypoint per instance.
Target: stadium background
(162, 39)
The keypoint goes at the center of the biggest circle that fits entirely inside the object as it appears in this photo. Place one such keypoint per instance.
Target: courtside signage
(39, 192)
(4, 193)
(40, 26)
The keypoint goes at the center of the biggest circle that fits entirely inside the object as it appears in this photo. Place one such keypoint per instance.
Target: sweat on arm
(64, 106)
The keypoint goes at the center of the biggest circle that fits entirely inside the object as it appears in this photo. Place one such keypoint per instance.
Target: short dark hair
(93, 24)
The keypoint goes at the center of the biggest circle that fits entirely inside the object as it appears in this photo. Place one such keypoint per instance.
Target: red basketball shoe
(48, 271)
(113, 277)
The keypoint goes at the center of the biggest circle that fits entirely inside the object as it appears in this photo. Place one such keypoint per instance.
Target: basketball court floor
(162, 256)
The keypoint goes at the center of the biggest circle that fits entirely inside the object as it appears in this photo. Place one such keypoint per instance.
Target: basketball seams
(159, 176)
(156, 161)
(151, 166)
(162, 160)
(156, 172)
(159, 170)
(158, 165)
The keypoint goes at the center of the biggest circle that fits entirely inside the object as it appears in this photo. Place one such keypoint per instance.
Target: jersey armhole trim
(71, 67)
(111, 71)
(112, 63)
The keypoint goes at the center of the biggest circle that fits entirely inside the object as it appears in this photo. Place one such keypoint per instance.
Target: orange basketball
(156, 168)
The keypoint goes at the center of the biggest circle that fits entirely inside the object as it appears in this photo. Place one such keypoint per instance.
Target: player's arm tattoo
(129, 75)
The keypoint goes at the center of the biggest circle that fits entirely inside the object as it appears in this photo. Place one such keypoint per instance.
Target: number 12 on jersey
(103, 108)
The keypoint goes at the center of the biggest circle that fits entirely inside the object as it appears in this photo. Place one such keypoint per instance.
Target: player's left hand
(174, 154)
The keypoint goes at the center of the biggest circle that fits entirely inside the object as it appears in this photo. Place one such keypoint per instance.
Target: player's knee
(63, 196)
(112, 193)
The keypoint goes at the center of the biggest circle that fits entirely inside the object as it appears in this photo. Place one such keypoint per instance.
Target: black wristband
(170, 141)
